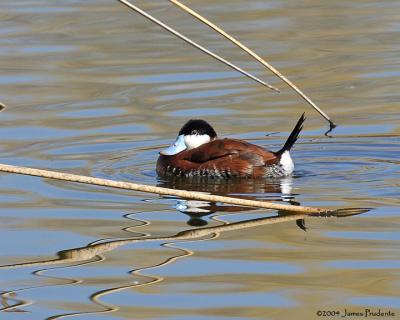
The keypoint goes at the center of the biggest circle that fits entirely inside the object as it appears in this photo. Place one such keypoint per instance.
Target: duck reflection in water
(278, 189)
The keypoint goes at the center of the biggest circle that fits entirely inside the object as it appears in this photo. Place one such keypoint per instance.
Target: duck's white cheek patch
(194, 141)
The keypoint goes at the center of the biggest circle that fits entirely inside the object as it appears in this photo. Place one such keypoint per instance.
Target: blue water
(94, 89)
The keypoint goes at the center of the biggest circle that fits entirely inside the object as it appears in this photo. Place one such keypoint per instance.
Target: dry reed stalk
(159, 190)
(194, 44)
(255, 56)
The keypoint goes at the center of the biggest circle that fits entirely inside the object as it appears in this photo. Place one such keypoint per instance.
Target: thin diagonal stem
(198, 46)
(255, 56)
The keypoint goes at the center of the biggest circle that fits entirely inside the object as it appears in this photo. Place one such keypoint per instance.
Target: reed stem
(255, 56)
(159, 190)
(194, 44)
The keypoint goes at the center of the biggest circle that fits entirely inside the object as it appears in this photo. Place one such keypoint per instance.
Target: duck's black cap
(198, 127)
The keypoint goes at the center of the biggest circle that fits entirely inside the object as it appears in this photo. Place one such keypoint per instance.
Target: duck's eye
(194, 132)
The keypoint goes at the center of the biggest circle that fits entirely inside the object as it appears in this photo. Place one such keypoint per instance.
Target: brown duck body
(224, 158)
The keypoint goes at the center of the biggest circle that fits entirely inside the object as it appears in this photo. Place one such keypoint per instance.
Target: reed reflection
(253, 189)
(9, 302)
(93, 253)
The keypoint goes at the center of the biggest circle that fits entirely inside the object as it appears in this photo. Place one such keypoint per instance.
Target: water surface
(92, 88)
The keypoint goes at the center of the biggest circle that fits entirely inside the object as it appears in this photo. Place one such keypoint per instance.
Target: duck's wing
(234, 148)
(214, 150)
(229, 156)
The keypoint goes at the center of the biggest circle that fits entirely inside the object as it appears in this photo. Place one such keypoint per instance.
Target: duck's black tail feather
(293, 136)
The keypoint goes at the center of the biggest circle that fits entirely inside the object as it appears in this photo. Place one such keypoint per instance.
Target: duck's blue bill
(178, 146)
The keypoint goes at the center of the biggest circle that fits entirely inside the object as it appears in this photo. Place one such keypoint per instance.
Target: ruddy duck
(197, 152)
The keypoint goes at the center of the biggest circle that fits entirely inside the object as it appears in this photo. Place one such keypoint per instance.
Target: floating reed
(160, 190)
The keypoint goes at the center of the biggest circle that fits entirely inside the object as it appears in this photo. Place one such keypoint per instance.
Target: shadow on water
(93, 252)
